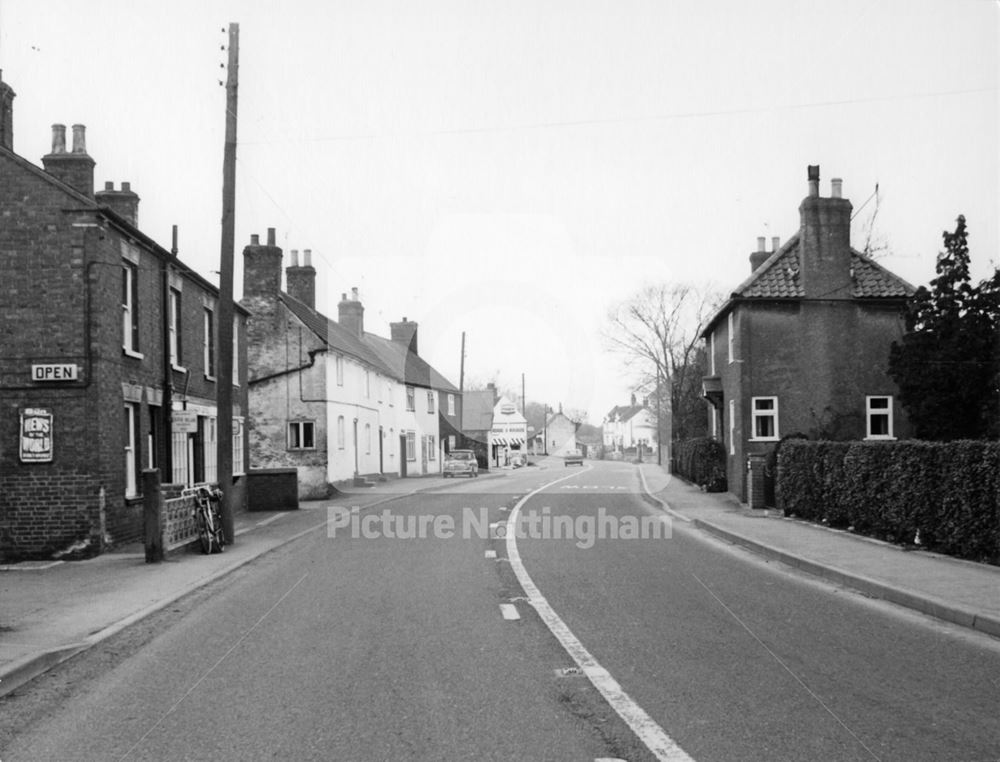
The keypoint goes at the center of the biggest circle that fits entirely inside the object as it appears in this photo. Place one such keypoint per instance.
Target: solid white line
(662, 746)
(509, 611)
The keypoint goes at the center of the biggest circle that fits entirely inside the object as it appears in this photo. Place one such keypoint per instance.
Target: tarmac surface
(51, 611)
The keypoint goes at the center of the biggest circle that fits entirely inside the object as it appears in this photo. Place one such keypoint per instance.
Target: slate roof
(625, 411)
(387, 356)
(778, 278)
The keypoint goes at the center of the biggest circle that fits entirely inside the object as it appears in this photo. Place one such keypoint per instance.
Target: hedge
(946, 494)
(701, 461)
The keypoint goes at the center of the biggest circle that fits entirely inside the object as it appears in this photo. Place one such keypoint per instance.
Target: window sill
(888, 438)
(210, 378)
(179, 368)
(764, 439)
(132, 353)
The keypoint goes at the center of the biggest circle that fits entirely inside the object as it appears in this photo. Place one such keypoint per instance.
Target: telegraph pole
(224, 399)
(461, 368)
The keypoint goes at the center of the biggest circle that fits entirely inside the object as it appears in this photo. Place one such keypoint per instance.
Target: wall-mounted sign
(184, 422)
(55, 372)
(36, 435)
(508, 409)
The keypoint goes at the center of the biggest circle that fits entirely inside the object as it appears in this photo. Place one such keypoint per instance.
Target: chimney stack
(124, 202)
(351, 313)
(836, 187)
(757, 258)
(76, 169)
(405, 333)
(262, 269)
(7, 95)
(825, 243)
(301, 280)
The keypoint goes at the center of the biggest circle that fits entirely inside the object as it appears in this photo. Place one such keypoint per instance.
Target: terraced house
(802, 345)
(108, 357)
(330, 399)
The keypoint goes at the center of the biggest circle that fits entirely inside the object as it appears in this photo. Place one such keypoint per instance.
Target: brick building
(802, 345)
(334, 401)
(108, 345)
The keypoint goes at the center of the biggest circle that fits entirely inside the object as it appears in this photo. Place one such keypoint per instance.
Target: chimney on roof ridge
(76, 169)
(262, 270)
(825, 242)
(758, 257)
(836, 187)
(775, 243)
(124, 202)
(405, 333)
(351, 313)
(301, 280)
(7, 96)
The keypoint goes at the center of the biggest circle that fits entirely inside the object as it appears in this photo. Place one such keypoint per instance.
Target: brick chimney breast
(301, 279)
(262, 268)
(7, 96)
(123, 202)
(76, 169)
(351, 313)
(405, 333)
(825, 243)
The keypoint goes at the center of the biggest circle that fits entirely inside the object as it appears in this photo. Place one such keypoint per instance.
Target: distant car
(461, 462)
(573, 458)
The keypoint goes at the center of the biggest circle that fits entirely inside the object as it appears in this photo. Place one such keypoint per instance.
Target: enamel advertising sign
(36, 435)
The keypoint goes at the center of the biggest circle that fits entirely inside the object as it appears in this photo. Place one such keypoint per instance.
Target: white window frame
(731, 339)
(711, 352)
(886, 412)
(411, 445)
(130, 309)
(210, 448)
(430, 400)
(208, 323)
(760, 413)
(411, 399)
(732, 427)
(451, 404)
(131, 450)
(431, 448)
(368, 384)
(340, 370)
(239, 463)
(297, 434)
(176, 342)
(341, 435)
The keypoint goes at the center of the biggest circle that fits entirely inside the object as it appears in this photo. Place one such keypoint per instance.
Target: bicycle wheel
(204, 531)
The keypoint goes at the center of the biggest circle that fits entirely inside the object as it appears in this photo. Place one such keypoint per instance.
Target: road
(355, 644)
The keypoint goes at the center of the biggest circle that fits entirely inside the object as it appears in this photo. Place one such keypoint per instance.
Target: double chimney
(75, 168)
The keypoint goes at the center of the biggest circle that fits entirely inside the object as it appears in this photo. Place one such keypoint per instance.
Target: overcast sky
(511, 169)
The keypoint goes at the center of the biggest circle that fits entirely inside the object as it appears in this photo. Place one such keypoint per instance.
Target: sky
(512, 170)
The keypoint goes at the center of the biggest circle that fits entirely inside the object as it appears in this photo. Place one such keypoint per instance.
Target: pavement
(51, 611)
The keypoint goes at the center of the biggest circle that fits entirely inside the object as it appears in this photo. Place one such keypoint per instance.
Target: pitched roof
(625, 411)
(778, 278)
(387, 356)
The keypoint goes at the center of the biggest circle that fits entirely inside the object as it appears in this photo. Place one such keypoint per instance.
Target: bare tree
(657, 333)
(876, 242)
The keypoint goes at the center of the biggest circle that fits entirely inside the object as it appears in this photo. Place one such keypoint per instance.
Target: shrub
(701, 461)
(949, 492)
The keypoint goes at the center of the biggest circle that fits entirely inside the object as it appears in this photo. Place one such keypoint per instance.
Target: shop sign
(184, 422)
(36, 435)
(55, 372)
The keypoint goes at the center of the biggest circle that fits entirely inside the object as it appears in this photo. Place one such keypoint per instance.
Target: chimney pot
(836, 187)
(354, 293)
(79, 139)
(270, 237)
(295, 257)
(126, 187)
(307, 258)
(108, 185)
(343, 297)
(775, 243)
(761, 243)
(813, 175)
(254, 239)
(58, 138)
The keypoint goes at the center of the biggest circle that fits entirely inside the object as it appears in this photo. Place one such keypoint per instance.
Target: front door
(402, 454)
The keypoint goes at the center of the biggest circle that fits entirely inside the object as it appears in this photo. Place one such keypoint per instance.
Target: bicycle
(208, 518)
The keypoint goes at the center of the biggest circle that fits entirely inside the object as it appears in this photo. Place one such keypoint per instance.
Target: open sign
(55, 372)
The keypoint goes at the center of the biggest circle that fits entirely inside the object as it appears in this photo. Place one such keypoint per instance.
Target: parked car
(573, 458)
(461, 462)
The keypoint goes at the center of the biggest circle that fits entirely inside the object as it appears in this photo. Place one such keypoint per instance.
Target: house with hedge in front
(801, 346)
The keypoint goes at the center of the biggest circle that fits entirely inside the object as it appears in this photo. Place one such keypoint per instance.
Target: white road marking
(667, 508)
(265, 522)
(662, 746)
(490, 554)
(509, 611)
